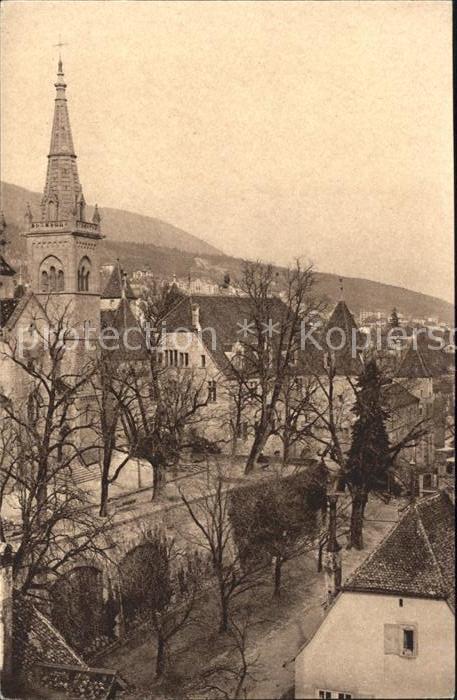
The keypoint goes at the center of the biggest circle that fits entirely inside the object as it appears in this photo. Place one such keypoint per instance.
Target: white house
(390, 631)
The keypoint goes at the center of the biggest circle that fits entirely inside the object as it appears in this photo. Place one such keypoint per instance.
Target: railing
(49, 224)
(81, 225)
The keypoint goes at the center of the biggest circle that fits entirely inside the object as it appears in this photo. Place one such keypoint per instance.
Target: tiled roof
(425, 359)
(129, 332)
(396, 396)
(6, 269)
(223, 313)
(341, 329)
(417, 557)
(114, 284)
(226, 314)
(7, 307)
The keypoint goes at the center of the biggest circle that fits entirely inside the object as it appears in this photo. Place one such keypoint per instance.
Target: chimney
(196, 318)
(6, 616)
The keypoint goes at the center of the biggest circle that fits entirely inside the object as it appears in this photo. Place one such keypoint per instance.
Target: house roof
(230, 315)
(11, 309)
(5, 269)
(113, 277)
(7, 307)
(341, 336)
(128, 333)
(416, 558)
(424, 359)
(226, 315)
(397, 396)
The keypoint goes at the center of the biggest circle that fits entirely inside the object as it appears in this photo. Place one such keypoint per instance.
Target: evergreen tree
(369, 457)
(394, 320)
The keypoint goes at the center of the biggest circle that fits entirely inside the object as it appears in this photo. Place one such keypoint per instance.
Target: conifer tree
(369, 457)
(394, 320)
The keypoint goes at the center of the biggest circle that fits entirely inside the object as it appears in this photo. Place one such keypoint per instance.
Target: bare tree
(228, 680)
(210, 513)
(48, 430)
(160, 583)
(272, 340)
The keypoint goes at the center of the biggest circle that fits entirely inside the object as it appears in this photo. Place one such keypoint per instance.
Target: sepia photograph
(227, 350)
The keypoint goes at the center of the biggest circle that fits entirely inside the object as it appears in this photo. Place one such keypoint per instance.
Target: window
(212, 395)
(84, 274)
(44, 281)
(408, 642)
(341, 695)
(60, 281)
(52, 279)
(203, 361)
(400, 640)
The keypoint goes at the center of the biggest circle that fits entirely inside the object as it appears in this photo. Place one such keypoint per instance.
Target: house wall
(347, 652)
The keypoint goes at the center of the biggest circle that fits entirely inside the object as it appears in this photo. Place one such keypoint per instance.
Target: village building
(390, 632)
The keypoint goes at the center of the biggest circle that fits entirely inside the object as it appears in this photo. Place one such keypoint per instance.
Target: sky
(273, 130)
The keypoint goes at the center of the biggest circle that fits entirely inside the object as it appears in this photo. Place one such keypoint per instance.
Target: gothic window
(60, 281)
(52, 210)
(84, 275)
(52, 279)
(44, 281)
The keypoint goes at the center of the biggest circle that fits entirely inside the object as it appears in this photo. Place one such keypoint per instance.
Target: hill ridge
(168, 255)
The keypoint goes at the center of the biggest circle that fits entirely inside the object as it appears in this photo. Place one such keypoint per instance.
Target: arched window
(84, 275)
(52, 279)
(44, 281)
(51, 275)
(52, 210)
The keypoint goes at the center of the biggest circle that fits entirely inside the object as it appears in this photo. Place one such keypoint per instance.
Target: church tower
(62, 246)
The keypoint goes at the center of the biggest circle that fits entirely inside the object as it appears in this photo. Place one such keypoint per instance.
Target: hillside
(140, 241)
(122, 225)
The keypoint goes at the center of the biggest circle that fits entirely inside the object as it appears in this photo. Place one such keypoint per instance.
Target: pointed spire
(28, 215)
(62, 181)
(96, 217)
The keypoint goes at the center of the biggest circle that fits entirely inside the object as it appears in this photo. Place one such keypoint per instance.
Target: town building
(390, 632)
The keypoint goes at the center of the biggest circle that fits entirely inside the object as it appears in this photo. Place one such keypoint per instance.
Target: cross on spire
(59, 45)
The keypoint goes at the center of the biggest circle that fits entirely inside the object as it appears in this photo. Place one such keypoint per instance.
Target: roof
(397, 396)
(114, 284)
(416, 558)
(341, 342)
(5, 269)
(128, 331)
(227, 315)
(7, 307)
(424, 359)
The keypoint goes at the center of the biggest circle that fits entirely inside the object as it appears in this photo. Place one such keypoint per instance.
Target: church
(66, 280)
